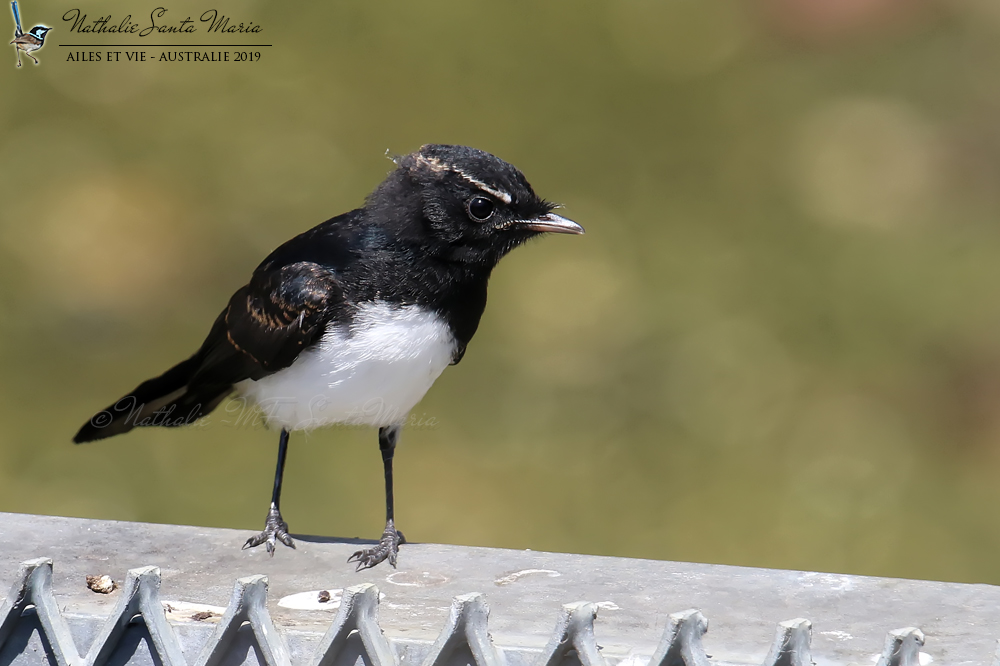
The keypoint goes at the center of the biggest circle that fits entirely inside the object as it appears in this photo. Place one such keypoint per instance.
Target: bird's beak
(551, 223)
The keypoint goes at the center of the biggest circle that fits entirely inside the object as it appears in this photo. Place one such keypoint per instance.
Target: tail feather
(17, 20)
(168, 400)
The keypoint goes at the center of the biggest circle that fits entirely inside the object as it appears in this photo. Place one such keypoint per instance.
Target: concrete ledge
(190, 596)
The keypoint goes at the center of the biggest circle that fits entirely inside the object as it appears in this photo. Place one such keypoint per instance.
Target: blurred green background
(777, 345)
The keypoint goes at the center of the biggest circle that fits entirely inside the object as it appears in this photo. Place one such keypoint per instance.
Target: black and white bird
(352, 321)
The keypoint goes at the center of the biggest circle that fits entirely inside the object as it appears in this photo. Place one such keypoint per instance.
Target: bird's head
(469, 205)
(39, 31)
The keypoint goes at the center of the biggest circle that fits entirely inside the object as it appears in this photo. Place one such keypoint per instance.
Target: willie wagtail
(352, 321)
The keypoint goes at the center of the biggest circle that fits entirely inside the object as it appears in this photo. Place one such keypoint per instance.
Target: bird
(352, 321)
(33, 40)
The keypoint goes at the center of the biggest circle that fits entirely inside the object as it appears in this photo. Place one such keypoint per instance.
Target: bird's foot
(275, 529)
(386, 549)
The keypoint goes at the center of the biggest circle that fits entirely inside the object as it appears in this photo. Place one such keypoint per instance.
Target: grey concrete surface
(526, 593)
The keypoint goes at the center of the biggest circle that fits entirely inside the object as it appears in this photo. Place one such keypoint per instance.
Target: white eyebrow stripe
(437, 165)
(502, 196)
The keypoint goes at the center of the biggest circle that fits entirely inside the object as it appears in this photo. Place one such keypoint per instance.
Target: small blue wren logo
(27, 41)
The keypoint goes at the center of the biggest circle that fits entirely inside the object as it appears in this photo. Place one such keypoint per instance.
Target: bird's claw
(275, 529)
(386, 549)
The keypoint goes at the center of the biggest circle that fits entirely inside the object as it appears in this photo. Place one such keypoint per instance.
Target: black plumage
(429, 236)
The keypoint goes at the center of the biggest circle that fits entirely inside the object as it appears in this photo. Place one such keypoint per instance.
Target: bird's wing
(284, 309)
(268, 322)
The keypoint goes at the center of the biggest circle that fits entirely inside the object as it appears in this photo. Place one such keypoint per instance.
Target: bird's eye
(481, 208)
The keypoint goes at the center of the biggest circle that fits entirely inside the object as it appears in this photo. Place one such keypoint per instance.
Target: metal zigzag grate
(466, 629)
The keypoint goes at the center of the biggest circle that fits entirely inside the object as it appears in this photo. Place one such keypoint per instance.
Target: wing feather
(269, 321)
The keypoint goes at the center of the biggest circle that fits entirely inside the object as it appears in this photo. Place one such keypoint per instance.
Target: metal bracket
(466, 623)
(358, 612)
(248, 604)
(792, 644)
(140, 596)
(33, 587)
(681, 642)
(902, 648)
(574, 631)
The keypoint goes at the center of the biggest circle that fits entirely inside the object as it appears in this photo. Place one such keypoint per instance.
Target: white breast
(371, 373)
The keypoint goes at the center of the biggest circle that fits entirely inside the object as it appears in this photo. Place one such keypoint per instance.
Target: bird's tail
(17, 19)
(174, 398)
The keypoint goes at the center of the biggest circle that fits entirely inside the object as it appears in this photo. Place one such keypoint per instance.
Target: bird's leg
(275, 528)
(388, 547)
(18, 51)
(31, 56)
